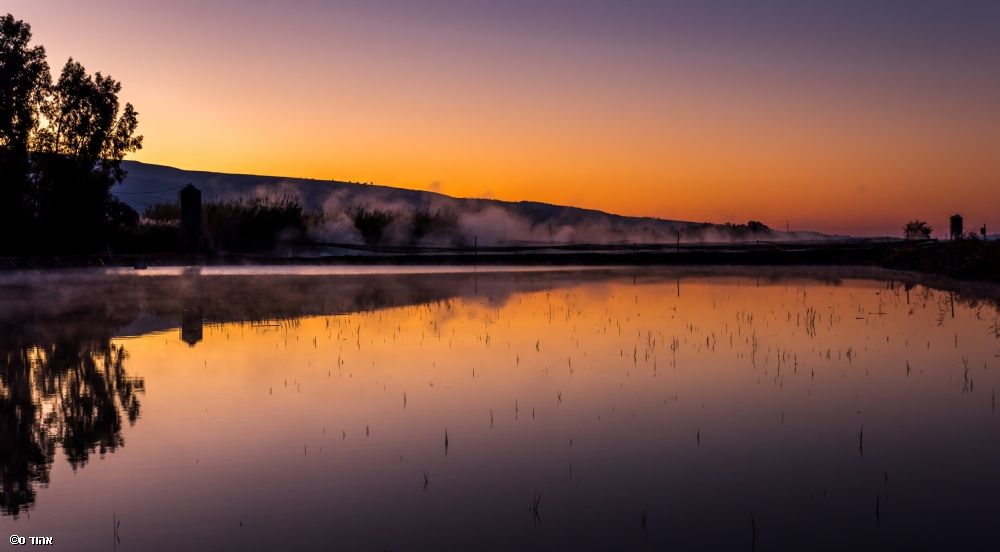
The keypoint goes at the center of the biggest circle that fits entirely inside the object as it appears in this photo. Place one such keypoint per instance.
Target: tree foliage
(62, 145)
(917, 230)
(24, 81)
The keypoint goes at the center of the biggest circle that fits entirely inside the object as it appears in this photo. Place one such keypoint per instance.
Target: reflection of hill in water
(41, 308)
(96, 305)
(64, 385)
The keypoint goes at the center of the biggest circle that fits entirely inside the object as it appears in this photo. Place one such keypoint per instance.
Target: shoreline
(969, 262)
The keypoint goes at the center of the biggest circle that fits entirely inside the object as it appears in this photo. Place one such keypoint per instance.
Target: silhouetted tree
(78, 158)
(120, 214)
(917, 230)
(61, 148)
(24, 84)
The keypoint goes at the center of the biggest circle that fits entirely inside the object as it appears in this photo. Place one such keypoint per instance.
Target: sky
(848, 117)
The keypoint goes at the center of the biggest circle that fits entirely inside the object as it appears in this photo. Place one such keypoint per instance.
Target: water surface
(453, 409)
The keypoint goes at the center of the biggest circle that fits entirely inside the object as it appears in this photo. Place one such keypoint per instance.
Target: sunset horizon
(565, 275)
(848, 118)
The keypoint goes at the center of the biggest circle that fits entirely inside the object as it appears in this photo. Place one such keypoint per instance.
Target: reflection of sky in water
(329, 270)
(857, 415)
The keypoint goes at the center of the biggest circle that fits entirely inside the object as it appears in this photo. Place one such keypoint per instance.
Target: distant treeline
(246, 224)
(61, 144)
(254, 223)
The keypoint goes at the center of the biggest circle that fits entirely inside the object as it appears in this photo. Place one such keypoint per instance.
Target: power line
(778, 222)
(153, 192)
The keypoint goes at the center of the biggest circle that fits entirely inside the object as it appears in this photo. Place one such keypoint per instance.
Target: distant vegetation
(917, 230)
(966, 258)
(163, 213)
(726, 232)
(440, 223)
(255, 223)
(238, 225)
(241, 224)
(376, 224)
(372, 222)
(61, 146)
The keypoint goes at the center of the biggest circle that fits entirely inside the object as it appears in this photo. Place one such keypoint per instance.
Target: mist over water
(309, 407)
(354, 213)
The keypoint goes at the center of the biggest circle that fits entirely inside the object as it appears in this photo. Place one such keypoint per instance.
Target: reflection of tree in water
(25, 451)
(67, 395)
(63, 385)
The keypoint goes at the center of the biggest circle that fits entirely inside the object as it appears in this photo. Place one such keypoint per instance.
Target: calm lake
(453, 409)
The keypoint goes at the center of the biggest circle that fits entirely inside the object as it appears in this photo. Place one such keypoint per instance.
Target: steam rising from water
(395, 216)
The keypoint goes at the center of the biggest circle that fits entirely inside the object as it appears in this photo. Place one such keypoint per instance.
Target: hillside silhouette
(367, 213)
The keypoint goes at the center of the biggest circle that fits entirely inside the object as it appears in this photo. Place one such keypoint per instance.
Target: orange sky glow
(849, 118)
